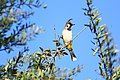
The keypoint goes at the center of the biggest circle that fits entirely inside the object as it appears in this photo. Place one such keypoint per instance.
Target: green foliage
(116, 74)
(14, 23)
(104, 47)
(39, 65)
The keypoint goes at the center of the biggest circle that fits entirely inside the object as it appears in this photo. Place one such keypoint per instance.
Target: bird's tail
(73, 57)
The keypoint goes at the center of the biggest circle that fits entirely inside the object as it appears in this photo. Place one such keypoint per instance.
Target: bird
(67, 38)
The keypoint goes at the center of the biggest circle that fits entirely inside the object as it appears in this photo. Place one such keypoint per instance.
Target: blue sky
(56, 14)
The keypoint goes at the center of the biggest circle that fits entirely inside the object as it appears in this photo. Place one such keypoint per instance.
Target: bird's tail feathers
(73, 57)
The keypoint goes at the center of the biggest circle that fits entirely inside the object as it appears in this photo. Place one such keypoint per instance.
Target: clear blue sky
(57, 13)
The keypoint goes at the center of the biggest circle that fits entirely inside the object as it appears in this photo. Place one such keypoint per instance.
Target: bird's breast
(67, 36)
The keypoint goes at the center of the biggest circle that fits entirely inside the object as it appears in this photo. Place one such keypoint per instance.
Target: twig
(79, 32)
(54, 30)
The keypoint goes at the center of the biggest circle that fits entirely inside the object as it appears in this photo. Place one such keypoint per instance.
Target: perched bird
(67, 38)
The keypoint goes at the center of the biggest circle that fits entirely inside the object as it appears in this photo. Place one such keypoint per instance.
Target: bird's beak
(72, 25)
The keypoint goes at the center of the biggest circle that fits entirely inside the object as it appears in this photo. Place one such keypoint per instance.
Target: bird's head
(69, 24)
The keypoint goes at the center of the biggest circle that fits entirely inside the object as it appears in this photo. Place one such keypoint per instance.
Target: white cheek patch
(68, 25)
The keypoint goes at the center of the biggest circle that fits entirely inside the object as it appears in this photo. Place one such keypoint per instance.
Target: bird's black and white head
(69, 24)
